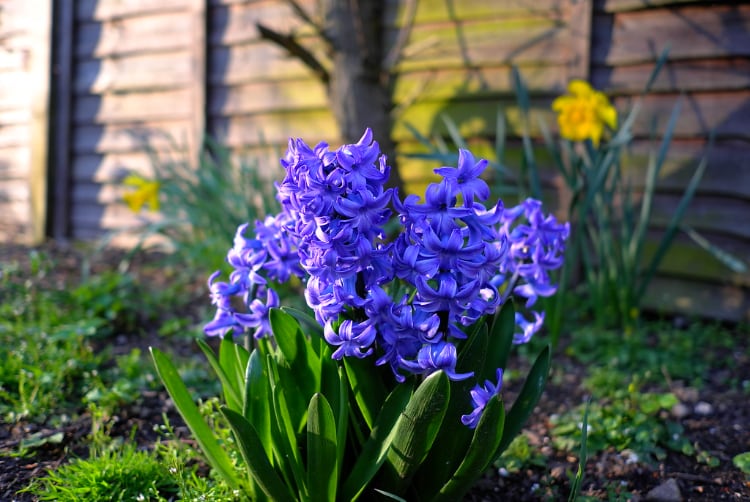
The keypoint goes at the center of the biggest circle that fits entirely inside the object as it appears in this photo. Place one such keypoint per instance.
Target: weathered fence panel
(127, 73)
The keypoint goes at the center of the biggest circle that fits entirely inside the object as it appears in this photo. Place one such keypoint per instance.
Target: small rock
(557, 472)
(703, 409)
(679, 411)
(668, 491)
(687, 394)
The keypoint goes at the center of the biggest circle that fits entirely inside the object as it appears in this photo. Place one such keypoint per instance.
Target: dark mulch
(723, 433)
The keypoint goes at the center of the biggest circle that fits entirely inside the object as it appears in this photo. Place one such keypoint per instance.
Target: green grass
(121, 474)
(54, 341)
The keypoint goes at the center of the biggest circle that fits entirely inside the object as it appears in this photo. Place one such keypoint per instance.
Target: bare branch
(307, 18)
(393, 56)
(294, 48)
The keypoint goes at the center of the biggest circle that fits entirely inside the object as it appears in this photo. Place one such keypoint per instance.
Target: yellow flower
(583, 113)
(146, 193)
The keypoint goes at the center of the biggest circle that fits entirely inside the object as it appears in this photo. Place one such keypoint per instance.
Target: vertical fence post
(39, 80)
(198, 82)
(58, 172)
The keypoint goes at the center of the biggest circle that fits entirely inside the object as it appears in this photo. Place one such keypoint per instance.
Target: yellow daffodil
(583, 113)
(146, 193)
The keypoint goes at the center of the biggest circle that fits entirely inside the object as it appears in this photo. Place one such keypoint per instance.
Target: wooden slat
(256, 62)
(289, 95)
(18, 116)
(106, 168)
(14, 162)
(434, 11)
(15, 93)
(725, 112)
(684, 255)
(154, 33)
(124, 138)
(489, 42)
(12, 59)
(624, 5)
(16, 190)
(96, 218)
(276, 129)
(473, 118)
(14, 135)
(484, 82)
(669, 295)
(691, 32)
(113, 9)
(677, 76)
(727, 173)
(142, 106)
(103, 194)
(142, 72)
(235, 24)
(720, 215)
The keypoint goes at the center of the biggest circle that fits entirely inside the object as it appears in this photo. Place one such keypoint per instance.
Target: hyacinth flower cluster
(406, 300)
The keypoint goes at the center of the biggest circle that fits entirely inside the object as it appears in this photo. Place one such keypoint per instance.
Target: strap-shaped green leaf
(232, 396)
(454, 438)
(233, 358)
(484, 443)
(322, 451)
(500, 341)
(367, 387)
(287, 439)
(296, 356)
(257, 401)
(305, 320)
(216, 456)
(526, 400)
(376, 447)
(260, 468)
(416, 430)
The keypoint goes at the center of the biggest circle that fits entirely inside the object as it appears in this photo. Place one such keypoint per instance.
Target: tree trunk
(359, 89)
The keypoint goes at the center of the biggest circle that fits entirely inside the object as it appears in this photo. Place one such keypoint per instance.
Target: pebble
(703, 409)
(679, 410)
(668, 491)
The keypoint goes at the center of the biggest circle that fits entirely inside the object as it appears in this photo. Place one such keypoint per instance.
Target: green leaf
(453, 132)
(299, 366)
(257, 404)
(729, 260)
(287, 438)
(481, 452)
(231, 393)
(305, 320)
(500, 341)
(453, 439)
(367, 387)
(582, 457)
(742, 462)
(527, 399)
(673, 225)
(376, 447)
(216, 456)
(416, 430)
(233, 359)
(322, 451)
(260, 468)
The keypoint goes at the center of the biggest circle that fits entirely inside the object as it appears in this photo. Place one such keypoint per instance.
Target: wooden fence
(118, 75)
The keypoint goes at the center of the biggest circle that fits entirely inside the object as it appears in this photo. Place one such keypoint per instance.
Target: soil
(723, 432)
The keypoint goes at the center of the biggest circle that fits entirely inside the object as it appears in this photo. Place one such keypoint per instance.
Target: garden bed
(713, 411)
